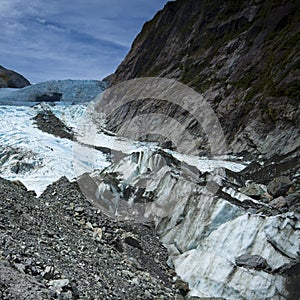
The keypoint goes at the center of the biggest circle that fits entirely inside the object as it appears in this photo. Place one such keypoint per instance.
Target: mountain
(218, 187)
(226, 238)
(241, 56)
(229, 67)
(11, 79)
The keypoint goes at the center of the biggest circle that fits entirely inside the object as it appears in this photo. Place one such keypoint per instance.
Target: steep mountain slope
(241, 56)
(11, 79)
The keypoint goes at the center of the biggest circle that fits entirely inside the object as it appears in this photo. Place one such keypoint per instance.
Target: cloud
(60, 39)
(17, 8)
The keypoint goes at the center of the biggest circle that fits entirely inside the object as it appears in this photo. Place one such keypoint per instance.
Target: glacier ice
(203, 231)
(73, 91)
(204, 228)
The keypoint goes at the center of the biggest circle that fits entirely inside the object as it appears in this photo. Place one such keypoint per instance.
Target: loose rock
(251, 261)
(279, 202)
(279, 186)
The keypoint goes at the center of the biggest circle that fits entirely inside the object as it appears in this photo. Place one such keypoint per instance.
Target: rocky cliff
(241, 56)
(11, 79)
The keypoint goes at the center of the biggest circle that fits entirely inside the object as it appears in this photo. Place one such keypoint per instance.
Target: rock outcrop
(241, 56)
(11, 79)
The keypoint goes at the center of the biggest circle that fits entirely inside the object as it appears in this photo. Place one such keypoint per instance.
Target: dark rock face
(11, 79)
(293, 273)
(58, 246)
(48, 122)
(49, 97)
(279, 186)
(240, 55)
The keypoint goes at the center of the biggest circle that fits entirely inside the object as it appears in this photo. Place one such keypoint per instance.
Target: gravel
(58, 246)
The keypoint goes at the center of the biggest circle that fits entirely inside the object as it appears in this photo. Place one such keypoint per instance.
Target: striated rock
(279, 186)
(11, 79)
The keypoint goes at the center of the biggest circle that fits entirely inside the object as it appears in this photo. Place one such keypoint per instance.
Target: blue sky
(61, 39)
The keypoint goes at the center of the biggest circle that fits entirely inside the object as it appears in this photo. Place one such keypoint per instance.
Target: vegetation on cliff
(243, 56)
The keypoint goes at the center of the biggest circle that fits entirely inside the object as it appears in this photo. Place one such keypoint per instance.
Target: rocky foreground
(58, 246)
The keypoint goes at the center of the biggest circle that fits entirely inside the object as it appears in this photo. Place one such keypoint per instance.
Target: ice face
(72, 91)
(52, 157)
(204, 233)
(34, 157)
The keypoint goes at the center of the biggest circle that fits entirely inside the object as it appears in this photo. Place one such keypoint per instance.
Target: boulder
(253, 190)
(251, 261)
(279, 202)
(279, 186)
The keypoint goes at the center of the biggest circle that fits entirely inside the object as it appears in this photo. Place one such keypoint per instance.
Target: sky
(62, 39)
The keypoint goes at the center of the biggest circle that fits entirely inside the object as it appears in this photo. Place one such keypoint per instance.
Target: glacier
(32, 156)
(205, 230)
(200, 214)
(72, 91)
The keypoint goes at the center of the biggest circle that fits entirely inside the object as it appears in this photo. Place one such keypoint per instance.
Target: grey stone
(20, 267)
(59, 283)
(132, 242)
(48, 273)
(253, 190)
(279, 202)
(251, 261)
(279, 186)
(293, 198)
(79, 209)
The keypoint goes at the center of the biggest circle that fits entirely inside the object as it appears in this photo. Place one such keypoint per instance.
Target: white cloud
(43, 39)
(7, 8)
(17, 8)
